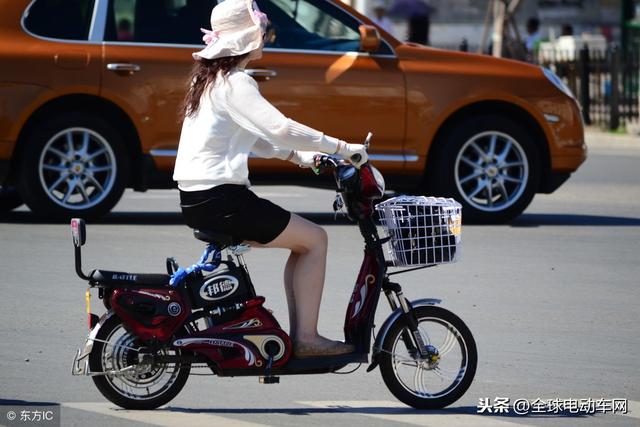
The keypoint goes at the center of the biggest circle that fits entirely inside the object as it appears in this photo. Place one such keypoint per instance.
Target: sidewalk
(597, 138)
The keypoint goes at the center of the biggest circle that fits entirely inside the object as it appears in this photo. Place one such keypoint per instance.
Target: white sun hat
(237, 27)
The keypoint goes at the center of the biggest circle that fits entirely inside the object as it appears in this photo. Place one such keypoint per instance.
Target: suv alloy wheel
(490, 165)
(74, 165)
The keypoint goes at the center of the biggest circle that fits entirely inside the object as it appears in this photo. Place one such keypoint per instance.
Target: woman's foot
(321, 347)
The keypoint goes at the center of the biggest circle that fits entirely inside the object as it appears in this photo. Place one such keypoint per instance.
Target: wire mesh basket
(423, 230)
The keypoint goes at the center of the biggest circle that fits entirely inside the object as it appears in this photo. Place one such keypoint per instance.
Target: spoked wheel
(442, 377)
(491, 165)
(75, 165)
(133, 382)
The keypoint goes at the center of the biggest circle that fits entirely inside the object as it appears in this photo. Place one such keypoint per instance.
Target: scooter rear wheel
(138, 386)
(436, 381)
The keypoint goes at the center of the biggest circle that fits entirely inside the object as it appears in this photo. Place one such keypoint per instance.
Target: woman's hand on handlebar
(308, 159)
(325, 162)
(355, 154)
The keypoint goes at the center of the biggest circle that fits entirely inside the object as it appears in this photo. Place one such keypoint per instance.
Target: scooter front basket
(422, 230)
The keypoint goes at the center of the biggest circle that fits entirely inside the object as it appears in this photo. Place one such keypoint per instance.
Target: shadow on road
(310, 411)
(537, 220)
(376, 410)
(326, 218)
(14, 402)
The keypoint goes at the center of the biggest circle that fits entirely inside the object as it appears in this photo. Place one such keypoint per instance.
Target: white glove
(347, 151)
(306, 159)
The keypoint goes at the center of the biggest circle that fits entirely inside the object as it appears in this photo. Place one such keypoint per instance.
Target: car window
(312, 25)
(60, 19)
(158, 21)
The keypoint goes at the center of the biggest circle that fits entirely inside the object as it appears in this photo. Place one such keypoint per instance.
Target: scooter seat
(123, 280)
(215, 237)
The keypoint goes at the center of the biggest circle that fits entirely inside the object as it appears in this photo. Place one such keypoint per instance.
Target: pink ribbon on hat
(262, 18)
(210, 36)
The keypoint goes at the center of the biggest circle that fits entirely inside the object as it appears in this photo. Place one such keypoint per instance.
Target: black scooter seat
(210, 236)
(122, 280)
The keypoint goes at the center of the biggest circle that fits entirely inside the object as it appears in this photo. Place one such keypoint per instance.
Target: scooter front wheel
(130, 383)
(440, 377)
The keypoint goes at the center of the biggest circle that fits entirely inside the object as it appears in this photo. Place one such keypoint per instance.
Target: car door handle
(123, 68)
(261, 74)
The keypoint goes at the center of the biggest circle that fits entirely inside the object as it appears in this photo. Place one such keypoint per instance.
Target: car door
(313, 72)
(147, 61)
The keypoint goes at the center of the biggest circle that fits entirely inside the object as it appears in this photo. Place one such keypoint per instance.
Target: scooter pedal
(269, 380)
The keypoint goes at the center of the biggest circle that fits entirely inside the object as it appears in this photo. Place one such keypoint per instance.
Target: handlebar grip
(367, 140)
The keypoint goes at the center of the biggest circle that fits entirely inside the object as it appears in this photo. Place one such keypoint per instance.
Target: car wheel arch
(513, 112)
(88, 104)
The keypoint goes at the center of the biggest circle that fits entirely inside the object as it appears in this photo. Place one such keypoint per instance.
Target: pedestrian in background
(533, 34)
(567, 30)
(380, 17)
(418, 14)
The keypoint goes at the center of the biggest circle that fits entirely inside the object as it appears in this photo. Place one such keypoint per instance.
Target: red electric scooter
(160, 327)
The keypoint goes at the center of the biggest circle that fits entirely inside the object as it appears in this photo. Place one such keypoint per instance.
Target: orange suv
(90, 92)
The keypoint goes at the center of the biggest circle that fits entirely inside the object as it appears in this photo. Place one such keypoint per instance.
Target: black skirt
(234, 210)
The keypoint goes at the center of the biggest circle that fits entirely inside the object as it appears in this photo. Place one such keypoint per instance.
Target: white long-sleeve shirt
(233, 120)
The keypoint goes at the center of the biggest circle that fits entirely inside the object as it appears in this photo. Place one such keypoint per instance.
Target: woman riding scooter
(225, 119)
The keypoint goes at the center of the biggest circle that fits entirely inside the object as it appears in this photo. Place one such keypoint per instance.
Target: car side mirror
(78, 232)
(369, 38)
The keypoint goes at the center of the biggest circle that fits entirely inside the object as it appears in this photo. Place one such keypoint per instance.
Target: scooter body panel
(153, 314)
(363, 303)
(244, 342)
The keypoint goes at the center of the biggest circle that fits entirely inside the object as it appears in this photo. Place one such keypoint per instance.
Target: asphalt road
(552, 300)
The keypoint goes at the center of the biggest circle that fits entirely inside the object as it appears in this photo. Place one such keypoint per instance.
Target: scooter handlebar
(367, 140)
(356, 158)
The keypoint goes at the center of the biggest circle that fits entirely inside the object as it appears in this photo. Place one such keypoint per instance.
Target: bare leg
(288, 287)
(304, 281)
(305, 269)
(289, 270)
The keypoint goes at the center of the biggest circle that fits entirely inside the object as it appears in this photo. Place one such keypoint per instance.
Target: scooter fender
(81, 361)
(384, 330)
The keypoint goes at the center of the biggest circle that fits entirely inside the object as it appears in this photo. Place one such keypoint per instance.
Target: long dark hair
(204, 73)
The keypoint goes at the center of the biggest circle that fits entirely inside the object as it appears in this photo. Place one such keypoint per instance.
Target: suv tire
(490, 165)
(74, 165)
(9, 199)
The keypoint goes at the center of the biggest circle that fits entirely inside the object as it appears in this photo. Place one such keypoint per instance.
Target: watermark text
(588, 406)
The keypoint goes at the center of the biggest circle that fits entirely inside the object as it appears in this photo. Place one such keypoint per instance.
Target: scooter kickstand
(268, 378)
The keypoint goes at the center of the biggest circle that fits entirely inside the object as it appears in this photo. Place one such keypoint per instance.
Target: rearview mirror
(78, 232)
(369, 38)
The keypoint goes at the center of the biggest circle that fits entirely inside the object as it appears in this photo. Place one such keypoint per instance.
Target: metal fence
(605, 82)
